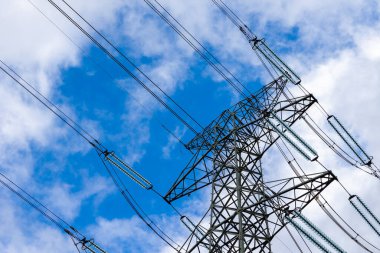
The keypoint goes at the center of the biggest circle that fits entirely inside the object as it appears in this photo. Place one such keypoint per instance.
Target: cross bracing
(246, 211)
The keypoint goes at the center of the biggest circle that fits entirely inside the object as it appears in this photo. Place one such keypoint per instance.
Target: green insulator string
(368, 210)
(303, 142)
(360, 212)
(326, 207)
(328, 141)
(308, 235)
(319, 232)
(291, 142)
(287, 138)
(88, 246)
(349, 140)
(275, 61)
(126, 169)
(373, 171)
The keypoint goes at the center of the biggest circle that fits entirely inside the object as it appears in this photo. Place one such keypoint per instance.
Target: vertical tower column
(235, 191)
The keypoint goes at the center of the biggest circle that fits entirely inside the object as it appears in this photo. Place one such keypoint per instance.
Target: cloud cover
(335, 51)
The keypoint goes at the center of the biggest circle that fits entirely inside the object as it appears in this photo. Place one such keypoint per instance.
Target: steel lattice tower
(245, 211)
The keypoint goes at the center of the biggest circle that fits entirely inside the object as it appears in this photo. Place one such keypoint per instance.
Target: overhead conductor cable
(198, 47)
(76, 236)
(124, 67)
(259, 45)
(110, 156)
(100, 67)
(105, 155)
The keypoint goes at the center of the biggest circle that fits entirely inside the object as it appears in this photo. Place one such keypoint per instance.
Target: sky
(333, 45)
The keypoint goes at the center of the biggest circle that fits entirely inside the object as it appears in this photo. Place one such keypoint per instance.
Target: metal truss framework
(246, 212)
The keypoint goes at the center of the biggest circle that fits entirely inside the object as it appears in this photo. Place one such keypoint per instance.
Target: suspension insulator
(368, 210)
(292, 138)
(92, 247)
(274, 60)
(349, 140)
(308, 235)
(319, 232)
(127, 170)
(364, 214)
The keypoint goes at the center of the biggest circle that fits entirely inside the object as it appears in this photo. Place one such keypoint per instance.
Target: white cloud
(62, 197)
(338, 58)
(22, 232)
(172, 142)
(131, 235)
(39, 52)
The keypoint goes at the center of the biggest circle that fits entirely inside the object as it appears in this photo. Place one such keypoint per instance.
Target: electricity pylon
(245, 211)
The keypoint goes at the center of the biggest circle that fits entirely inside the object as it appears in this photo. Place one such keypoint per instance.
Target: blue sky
(333, 45)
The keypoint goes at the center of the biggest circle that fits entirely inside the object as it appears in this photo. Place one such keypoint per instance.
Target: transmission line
(100, 67)
(123, 67)
(271, 122)
(104, 154)
(137, 208)
(77, 237)
(197, 46)
(107, 157)
(46, 102)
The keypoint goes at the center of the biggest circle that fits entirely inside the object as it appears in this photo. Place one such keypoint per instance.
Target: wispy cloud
(335, 50)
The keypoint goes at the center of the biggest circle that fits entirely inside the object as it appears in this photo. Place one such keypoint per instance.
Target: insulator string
(322, 205)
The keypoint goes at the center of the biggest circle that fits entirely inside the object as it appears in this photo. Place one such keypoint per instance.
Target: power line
(99, 66)
(197, 46)
(123, 67)
(77, 237)
(46, 102)
(136, 207)
(103, 153)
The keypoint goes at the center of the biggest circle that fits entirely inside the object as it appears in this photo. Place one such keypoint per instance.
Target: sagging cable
(77, 237)
(327, 140)
(294, 239)
(337, 149)
(349, 140)
(99, 147)
(136, 207)
(292, 138)
(365, 213)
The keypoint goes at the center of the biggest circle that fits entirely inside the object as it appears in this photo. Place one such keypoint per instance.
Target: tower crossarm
(288, 195)
(199, 172)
